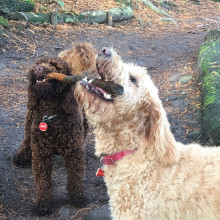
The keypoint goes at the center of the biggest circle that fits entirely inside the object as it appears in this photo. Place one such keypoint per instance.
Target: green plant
(31, 2)
(43, 8)
(72, 20)
(61, 3)
(4, 22)
(118, 3)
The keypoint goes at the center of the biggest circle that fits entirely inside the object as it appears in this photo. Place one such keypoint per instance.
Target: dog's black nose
(39, 69)
(106, 51)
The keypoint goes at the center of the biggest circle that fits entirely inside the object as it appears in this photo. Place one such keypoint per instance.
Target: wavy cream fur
(163, 179)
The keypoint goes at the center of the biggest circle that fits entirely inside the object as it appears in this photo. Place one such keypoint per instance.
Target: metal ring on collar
(101, 161)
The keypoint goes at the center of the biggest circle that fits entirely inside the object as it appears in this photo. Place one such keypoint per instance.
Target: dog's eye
(133, 80)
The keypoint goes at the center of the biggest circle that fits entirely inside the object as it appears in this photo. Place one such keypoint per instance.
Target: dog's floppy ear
(69, 104)
(158, 135)
(32, 100)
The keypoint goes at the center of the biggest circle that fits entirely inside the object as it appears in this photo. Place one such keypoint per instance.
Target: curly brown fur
(64, 136)
(81, 57)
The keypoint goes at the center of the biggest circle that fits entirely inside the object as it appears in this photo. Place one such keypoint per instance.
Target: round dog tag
(43, 126)
(100, 172)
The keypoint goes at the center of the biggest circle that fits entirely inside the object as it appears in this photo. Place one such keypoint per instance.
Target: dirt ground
(169, 54)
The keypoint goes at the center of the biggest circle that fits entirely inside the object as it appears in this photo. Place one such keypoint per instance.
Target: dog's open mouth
(113, 88)
(104, 88)
(96, 90)
(41, 81)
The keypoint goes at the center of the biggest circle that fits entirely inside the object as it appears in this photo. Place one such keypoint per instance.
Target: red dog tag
(43, 126)
(100, 172)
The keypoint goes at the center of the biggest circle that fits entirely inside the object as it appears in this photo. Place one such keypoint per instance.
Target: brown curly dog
(65, 134)
(80, 57)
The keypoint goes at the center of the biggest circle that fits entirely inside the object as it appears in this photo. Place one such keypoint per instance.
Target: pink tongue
(101, 90)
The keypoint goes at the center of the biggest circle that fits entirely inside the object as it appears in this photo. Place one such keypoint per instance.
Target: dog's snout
(106, 51)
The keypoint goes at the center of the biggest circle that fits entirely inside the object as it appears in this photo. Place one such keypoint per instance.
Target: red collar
(112, 159)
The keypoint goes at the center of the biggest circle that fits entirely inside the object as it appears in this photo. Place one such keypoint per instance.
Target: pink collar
(112, 159)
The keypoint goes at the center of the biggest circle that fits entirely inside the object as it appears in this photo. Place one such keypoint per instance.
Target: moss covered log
(209, 69)
(100, 16)
(93, 16)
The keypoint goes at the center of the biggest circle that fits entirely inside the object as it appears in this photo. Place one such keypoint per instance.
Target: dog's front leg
(42, 168)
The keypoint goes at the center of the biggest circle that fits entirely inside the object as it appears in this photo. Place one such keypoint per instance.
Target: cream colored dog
(154, 177)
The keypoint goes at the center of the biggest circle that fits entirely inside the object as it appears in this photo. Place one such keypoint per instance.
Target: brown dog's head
(43, 89)
(81, 57)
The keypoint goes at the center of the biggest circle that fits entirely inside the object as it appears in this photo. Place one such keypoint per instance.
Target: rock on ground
(185, 79)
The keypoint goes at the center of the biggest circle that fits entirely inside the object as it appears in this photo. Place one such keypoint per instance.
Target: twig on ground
(84, 209)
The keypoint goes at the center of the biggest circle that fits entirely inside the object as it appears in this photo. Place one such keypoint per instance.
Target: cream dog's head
(137, 116)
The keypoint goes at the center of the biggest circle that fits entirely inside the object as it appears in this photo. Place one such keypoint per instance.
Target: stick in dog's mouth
(106, 90)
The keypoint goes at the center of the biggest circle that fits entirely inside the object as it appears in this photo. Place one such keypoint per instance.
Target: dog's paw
(21, 162)
(42, 209)
(80, 202)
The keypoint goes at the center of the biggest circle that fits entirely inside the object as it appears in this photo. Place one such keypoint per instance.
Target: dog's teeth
(44, 80)
(85, 79)
(107, 96)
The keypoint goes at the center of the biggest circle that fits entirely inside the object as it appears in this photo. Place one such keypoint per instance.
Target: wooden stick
(109, 86)
(64, 78)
